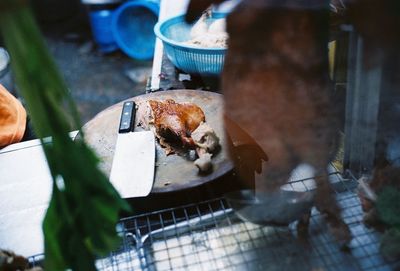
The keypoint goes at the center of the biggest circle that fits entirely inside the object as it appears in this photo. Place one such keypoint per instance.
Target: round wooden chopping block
(172, 172)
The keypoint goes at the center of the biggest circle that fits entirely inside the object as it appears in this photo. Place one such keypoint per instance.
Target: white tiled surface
(25, 191)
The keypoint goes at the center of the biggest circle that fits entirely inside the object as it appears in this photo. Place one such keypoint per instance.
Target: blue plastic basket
(132, 26)
(190, 59)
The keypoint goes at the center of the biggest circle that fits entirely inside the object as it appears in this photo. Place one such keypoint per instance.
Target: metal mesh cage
(209, 236)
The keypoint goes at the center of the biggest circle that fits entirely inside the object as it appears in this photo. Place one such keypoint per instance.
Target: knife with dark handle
(127, 117)
(132, 171)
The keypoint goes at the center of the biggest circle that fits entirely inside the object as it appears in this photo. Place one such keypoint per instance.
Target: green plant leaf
(390, 244)
(80, 222)
(388, 206)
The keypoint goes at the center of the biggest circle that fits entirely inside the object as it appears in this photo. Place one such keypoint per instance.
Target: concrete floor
(97, 81)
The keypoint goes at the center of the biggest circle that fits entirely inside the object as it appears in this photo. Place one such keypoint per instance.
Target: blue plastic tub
(132, 26)
(100, 21)
(188, 58)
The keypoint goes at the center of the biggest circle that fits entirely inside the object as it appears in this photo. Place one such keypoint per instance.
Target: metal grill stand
(209, 236)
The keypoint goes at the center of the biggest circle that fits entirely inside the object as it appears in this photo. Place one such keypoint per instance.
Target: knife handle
(127, 117)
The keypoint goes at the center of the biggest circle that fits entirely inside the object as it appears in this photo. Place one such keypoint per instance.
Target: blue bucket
(132, 26)
(100, 21)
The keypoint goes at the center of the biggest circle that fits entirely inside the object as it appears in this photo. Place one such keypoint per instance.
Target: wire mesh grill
(209, 236)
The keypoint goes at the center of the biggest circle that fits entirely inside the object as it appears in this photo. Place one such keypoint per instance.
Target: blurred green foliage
(388, 206)
(80, 221)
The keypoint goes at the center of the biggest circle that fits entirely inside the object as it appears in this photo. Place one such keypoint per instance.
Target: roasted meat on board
(180, 126)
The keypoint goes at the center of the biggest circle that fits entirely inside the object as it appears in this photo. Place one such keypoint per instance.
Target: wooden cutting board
(173, 172)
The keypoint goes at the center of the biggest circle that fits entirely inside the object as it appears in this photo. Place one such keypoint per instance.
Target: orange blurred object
(12, 118)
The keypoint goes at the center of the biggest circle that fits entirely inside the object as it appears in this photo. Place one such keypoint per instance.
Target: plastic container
(132, 26)
(100, 21)
(189, 58)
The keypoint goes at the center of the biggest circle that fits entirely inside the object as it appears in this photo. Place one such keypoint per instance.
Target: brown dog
(276, 87)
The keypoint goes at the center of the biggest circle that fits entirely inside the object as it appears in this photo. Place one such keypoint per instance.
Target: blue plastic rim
(132, 26)
(175, 30)
(189, 58)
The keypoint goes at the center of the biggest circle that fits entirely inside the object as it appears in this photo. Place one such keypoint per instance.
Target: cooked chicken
(207, 142)
(204, 161)
(276, 87)
(180, 126)
(205, 138)
(218, 26)
(174, 123)
(208, 35)
(210, 40)
(200, 27)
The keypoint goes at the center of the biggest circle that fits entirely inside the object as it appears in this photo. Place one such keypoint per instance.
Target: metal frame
(209, 236)
(362, 105)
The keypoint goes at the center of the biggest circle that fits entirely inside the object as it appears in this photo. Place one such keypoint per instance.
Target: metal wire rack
(209, 236)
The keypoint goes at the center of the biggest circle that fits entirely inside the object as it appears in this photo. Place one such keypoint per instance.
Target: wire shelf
(209, 236)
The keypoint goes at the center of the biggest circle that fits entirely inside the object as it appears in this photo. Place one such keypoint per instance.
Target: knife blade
(132, 170)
